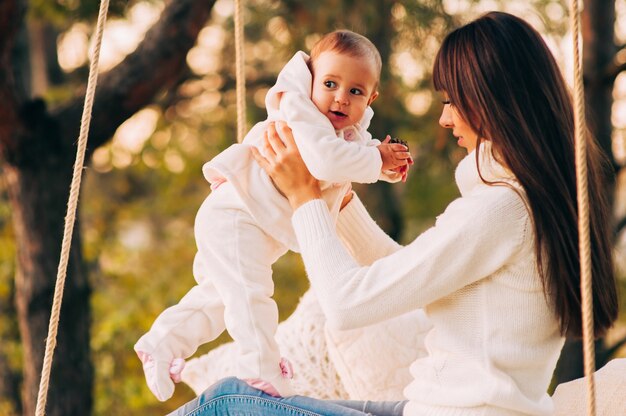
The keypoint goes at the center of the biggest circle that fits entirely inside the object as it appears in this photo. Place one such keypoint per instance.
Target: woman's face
(450, 118)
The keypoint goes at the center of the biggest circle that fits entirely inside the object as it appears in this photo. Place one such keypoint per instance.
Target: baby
(244, 225)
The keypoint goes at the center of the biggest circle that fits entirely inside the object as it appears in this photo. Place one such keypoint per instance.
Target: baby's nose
(342, 98)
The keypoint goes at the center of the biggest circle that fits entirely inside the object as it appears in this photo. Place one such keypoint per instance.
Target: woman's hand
(284, 164)
(346, 199)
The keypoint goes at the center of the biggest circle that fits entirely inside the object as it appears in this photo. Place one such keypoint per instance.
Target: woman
(498, 274)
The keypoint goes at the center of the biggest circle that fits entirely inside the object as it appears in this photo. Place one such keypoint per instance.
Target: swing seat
(570, 399)
(303, 339)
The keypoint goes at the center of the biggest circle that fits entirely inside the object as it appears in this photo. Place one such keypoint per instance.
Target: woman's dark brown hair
(502, 79)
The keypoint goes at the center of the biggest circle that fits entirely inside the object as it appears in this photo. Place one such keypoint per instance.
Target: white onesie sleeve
(328, 156)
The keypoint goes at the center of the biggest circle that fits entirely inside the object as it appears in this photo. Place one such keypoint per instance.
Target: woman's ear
(372, 97)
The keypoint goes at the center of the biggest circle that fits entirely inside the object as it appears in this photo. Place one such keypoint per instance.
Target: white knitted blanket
(372, 363)
(368, 363)
(301, 340)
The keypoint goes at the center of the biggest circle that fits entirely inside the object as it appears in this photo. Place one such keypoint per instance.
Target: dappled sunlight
(192, 88)
(398, 11)
(174, 162)
(128, 141)
(619, 211)
(161, 139)
(620, 17)
(418, 103)
(224, 9)
(555, 11)
(262, 50)
(121, 158)
(204, 58)
(259, 97)
(120, 37)
(101, 159)
(136, 235)
(278, 28)
(135, 131)
(72, 47)
(619, 145)
(618, 118)
(212, 38)
(473, 8)
(408, 68)
(202, 63)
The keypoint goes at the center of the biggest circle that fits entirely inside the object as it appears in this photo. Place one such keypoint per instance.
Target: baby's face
(343, 87)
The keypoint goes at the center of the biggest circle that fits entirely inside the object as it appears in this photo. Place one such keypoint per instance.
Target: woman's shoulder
(506, 195)
(495, 199)
(493, 209)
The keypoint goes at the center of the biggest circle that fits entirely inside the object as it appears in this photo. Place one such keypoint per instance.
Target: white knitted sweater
(494, 342)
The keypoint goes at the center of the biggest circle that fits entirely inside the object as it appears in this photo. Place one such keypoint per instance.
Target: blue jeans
(232, 396)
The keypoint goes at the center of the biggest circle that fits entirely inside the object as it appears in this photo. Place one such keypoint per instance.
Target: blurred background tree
(166, 105)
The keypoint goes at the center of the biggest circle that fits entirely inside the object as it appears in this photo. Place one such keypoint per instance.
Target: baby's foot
(161, 375)
(278, 386)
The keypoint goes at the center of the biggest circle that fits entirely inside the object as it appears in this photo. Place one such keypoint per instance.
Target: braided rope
(240, 72)
(71, 213)
(583, 212)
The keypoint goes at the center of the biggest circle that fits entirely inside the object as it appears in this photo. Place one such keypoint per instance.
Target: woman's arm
(360, 234)
(472, 239)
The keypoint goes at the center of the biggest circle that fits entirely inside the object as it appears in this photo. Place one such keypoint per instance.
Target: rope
(71, 213)
(583, 213)
(240, 73)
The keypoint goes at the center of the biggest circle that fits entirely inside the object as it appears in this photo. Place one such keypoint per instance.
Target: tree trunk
(38, 187)
(599, 49)
(10, 404)
(10, 380)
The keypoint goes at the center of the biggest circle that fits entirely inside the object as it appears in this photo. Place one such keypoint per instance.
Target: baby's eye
(330, 84)
(356, 91)
(445, 102)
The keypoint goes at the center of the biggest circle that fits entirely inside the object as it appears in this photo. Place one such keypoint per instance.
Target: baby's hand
(395, 155)
(403, 171)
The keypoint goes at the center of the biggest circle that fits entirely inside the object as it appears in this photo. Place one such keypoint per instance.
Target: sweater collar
(467, 176)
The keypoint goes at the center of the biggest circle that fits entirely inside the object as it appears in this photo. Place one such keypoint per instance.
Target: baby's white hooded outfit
(244, 226)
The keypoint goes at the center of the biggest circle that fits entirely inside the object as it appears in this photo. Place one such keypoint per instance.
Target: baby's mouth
(339, 113)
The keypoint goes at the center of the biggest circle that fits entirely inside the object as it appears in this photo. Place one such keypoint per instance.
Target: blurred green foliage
(139, 201)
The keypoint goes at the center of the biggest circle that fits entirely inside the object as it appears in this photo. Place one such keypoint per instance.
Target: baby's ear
(372, 97)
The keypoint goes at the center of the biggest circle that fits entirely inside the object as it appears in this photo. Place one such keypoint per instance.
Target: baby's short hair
(350, 43)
